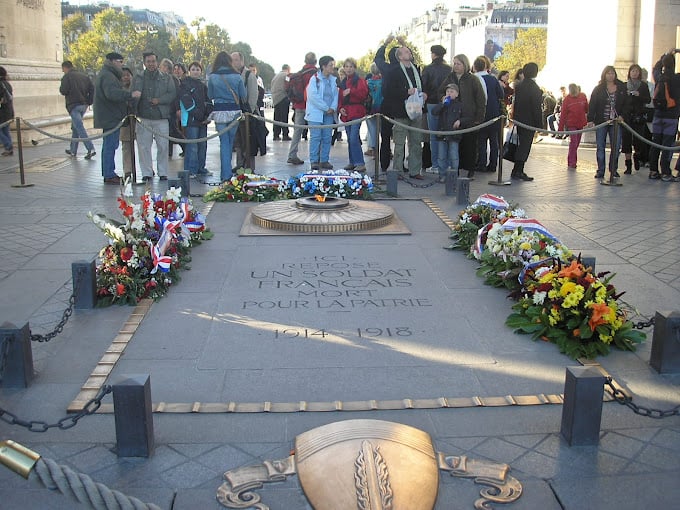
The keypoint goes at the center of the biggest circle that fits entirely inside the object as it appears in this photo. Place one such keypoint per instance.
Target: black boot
(629, 167)
(636, 161)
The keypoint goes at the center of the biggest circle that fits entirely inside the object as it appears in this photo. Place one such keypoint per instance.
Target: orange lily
(573, 270)
(600, 310)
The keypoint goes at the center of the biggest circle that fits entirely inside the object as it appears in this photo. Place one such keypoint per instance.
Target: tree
(71, 28)
(111, 31)
(529, 46)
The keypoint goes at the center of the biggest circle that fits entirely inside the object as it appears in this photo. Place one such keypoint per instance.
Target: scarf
(633, 85)
(419, 85)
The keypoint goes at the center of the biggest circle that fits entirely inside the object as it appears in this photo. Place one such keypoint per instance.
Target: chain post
(18, 365)
(20, 150)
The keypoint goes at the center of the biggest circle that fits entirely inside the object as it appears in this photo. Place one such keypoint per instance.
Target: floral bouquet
(571, 307)
(335, 184)
(245, 186)
(506, 246)
(146, 251)
(485, 210)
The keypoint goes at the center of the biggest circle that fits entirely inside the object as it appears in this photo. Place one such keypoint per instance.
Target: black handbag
(510, 147)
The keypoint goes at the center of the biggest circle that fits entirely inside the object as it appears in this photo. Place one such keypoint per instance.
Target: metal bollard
(133, 416)
(463, 191)
(19, 363)
(665, 356)
(450, 183)
(185, 182)
(84, 275)
(582, 409)
(588, 262)
(392, 180)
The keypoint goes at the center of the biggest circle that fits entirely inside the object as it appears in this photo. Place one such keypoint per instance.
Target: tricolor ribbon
(160, 261)
(197, 224)
(492, 201)
(549, 262)
(530, 225)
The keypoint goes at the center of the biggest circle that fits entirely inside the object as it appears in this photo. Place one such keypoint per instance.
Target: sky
(281, 32)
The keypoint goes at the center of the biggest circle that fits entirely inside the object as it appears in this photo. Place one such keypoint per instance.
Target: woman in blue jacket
(322, 107)
(226, 90)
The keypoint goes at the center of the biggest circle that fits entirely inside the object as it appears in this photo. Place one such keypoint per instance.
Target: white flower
(539, 297)
(174, 194)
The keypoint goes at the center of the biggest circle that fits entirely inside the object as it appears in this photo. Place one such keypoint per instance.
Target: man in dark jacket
(490, 134)
(386, 65)
(79, 92)
(404, 81)
(433, 76)
(110, 108)
(527, 110)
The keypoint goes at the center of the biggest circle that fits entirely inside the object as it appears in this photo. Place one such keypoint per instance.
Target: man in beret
(110, 108)
(433, 76)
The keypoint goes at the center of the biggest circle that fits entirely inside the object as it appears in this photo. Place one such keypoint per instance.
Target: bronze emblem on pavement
(368, 465)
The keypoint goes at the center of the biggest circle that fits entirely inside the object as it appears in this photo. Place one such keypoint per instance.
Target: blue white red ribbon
(160, 261)
(492, 201)
(530, 225)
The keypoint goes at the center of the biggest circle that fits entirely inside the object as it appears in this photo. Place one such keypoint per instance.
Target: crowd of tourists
(174, 104)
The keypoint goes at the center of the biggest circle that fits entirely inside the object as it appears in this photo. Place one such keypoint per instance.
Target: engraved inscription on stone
(334, 283)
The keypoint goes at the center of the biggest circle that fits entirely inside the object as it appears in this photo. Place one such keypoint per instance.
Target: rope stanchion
(20, 149)
(501, 135)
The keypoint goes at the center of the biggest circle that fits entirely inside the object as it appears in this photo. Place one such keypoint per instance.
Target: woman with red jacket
(351, 100)
(573, 116)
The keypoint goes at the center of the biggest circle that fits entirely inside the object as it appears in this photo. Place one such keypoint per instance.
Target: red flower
(120, 289)
(126, 254)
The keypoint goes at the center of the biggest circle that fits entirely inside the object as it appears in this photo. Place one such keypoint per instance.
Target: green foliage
(111, 31)
(71, 28)
(530, 46)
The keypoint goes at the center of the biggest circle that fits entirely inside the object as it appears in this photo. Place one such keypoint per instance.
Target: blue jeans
(78, 129)
(433, 125)
(6, 138)
(601, 140)
(194, 151)
(320, 141)
(226, 149)
(356, 156)
(448, 153)
(109, 146)
(663, 133)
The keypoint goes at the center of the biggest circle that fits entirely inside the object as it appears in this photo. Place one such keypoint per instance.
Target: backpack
(295, 85)
(661, 98)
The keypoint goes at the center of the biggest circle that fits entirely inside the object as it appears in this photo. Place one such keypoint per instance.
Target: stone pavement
(261, 319)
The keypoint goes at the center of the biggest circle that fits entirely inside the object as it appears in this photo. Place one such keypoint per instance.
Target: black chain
(627, 401)
(414, 185)
(65, 423)
(644, 324)
(65, 316)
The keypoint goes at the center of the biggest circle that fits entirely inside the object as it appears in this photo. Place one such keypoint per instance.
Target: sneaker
(90, 154)
(654, 175)
(325, 165)
(666, 178)
(349, 167)
(71, 154)
(295, 161)
(315, 166)
(676, 179)
(8, 153)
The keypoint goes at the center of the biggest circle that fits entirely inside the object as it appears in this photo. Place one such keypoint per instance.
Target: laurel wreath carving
(370, 470)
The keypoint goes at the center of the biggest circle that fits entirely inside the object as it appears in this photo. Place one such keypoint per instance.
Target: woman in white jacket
(322, 106)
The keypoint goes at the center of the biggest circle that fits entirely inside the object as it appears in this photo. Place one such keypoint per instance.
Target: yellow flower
(525, 246)
(547, 277)
(567, 288)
